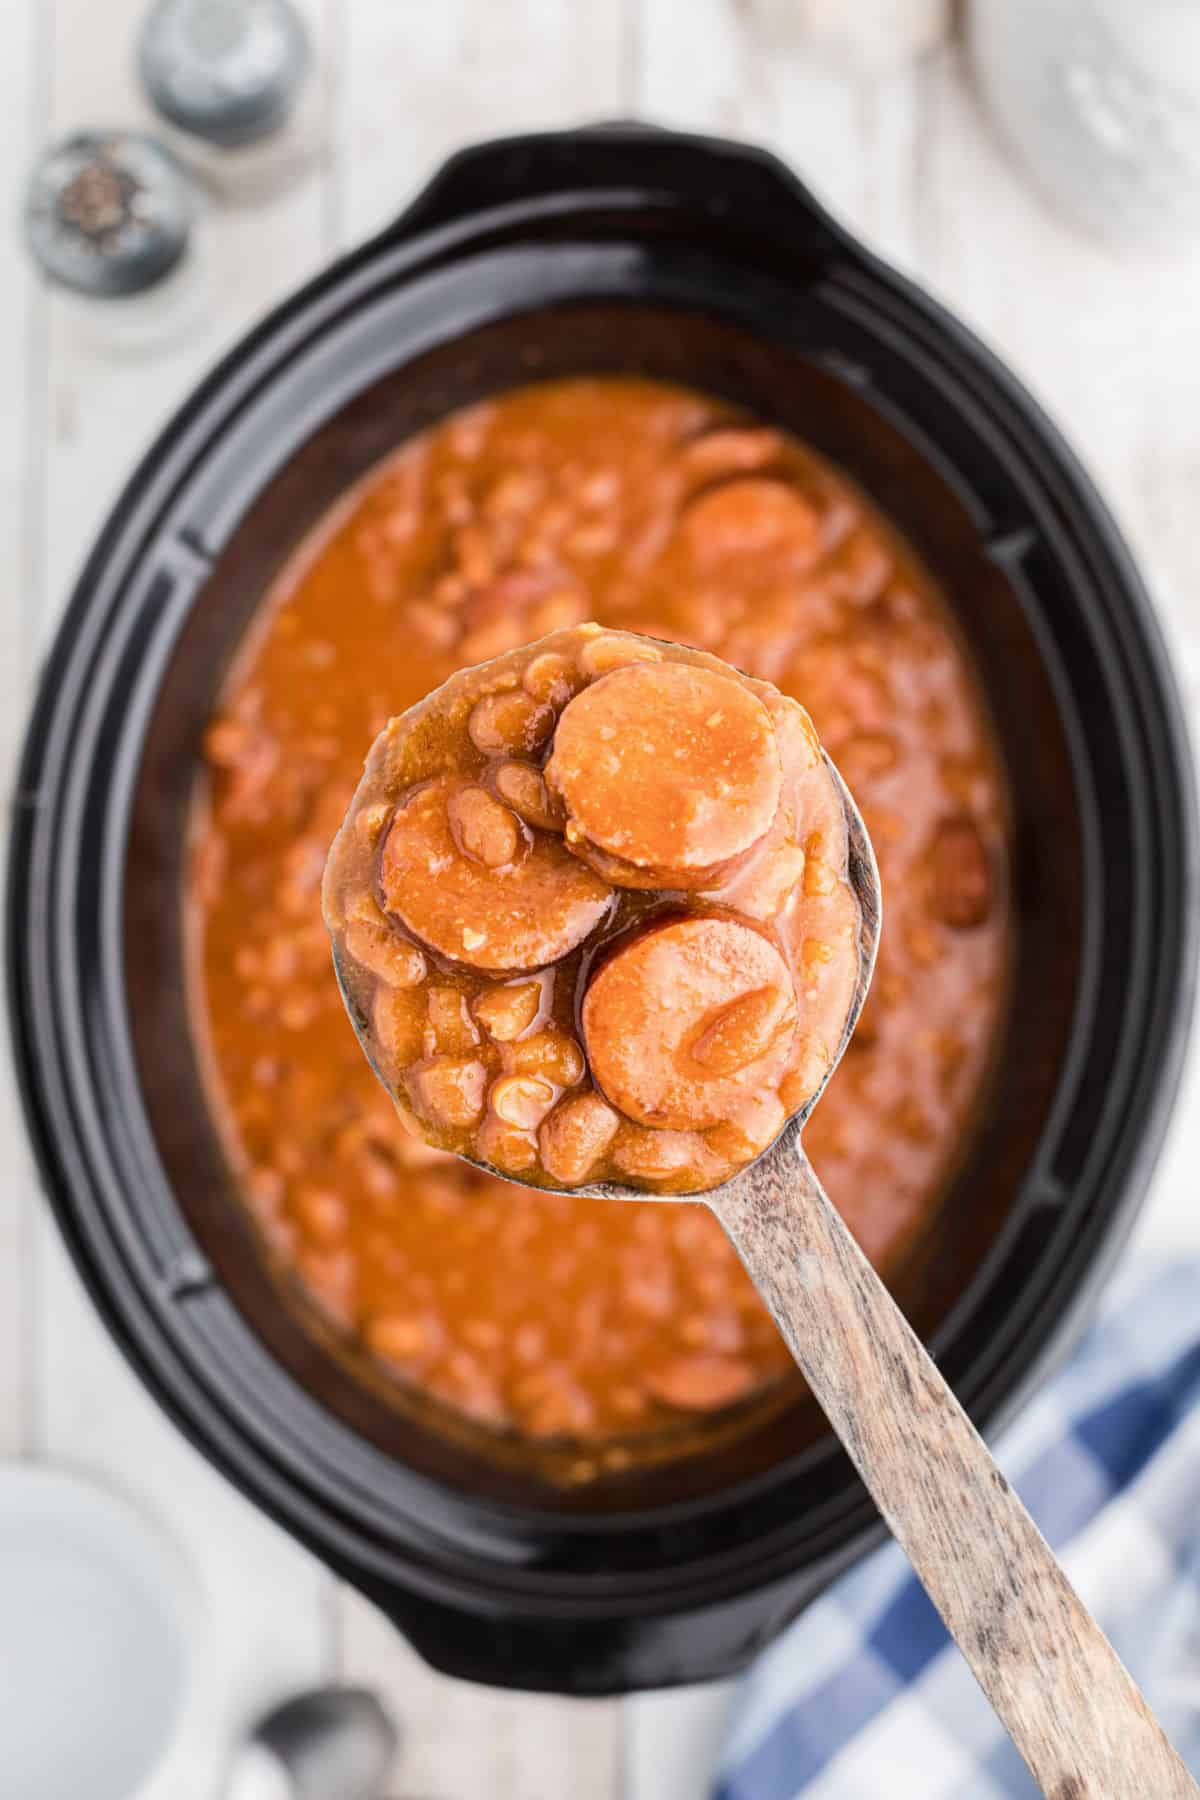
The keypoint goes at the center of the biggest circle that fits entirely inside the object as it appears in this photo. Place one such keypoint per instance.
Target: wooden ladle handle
(1051, 1675)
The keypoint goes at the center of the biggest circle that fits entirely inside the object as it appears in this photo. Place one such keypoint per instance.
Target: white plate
(97, 1640)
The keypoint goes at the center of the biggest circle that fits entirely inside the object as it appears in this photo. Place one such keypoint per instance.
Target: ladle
(1066, 1700)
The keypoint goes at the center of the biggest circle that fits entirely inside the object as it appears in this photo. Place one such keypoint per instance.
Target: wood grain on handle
(1051, 1675)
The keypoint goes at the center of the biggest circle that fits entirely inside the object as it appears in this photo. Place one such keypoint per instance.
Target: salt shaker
(1100, 100)
(232, 82)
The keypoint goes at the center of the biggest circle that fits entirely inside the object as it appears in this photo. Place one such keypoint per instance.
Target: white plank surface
(1111, 347)
(418, 85)
(264, 1602)
(21, 327)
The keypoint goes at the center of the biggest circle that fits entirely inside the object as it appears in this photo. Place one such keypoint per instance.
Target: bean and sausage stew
(591, 904)
(654, 510)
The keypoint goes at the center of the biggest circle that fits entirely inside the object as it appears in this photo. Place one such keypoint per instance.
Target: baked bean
(398, 1023)
(433, 624)
(522, 917)
(962, 876)
(551, 678)
(298, 1011)
(517, 491)
(450, 590)
(449, 1027)
(450, 1090)
(668, 1161)
(601, 655)
(521, 786)
(671, 769)
(575, 1137)
(552, 1054)
(474, 554)
(407, 1339)
(552, 1405)
(483, 829)
(652, 1292)
(506, 1146)
(321, 1212)
(229, 743)
(505, 1012)
(467, 1384)
(512, 721)
(522, 1100)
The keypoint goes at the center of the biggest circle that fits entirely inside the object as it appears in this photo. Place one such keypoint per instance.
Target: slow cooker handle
(716, 177)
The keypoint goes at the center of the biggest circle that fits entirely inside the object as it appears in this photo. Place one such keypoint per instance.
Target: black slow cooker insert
(609, 250)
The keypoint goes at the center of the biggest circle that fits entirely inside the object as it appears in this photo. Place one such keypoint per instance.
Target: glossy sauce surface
(656, 510)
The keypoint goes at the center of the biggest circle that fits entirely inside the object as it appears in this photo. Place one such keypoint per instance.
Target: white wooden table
(1113, 350)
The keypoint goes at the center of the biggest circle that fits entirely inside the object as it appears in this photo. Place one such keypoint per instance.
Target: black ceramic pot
(618, 249)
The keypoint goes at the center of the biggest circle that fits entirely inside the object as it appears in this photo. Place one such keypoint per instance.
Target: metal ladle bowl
(863, 876)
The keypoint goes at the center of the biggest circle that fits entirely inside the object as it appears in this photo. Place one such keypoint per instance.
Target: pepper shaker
(110, 219)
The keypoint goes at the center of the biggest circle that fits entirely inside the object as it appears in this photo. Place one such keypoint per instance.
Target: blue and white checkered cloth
(865, 1695)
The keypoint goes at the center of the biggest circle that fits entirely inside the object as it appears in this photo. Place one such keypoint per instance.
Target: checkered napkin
(865, 1698)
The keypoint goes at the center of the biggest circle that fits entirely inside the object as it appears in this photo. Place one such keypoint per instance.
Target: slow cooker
(610, 249)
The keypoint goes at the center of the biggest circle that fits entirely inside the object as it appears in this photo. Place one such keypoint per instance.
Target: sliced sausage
(749, 515)
(669, 768)
(520, 915)
(688, 1019)
(723, 450)
(700, 1383)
